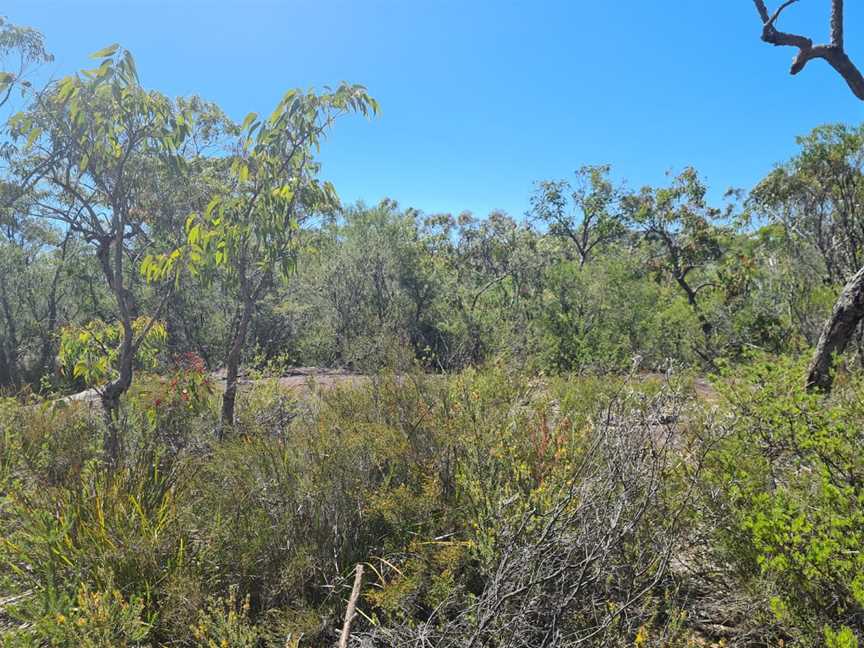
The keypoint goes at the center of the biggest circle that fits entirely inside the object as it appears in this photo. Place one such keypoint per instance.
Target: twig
(777, 13)
(352, 605)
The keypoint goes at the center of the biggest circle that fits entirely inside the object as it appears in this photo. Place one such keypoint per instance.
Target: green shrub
(103, 531)
(92, 619)
(225, 623)
(793, 473)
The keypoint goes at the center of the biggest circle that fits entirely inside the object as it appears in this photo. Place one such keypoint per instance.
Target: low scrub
(488, 509)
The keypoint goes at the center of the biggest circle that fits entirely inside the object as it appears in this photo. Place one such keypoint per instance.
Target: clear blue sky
(482, 98)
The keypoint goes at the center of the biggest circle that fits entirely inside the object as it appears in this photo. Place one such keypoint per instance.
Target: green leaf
(129, 67)
(65, 89)
(251, 117)
(103, 69)
(214, 202)
(105, 51)
(35, 133)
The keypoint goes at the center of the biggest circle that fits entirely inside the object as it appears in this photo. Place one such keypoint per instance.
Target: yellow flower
(61, 619)
(641, 637)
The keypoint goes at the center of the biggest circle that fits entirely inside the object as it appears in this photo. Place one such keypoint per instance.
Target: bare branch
(833, 53)
(763, 11)
(837, 23)
(352, 604)
(780, 9)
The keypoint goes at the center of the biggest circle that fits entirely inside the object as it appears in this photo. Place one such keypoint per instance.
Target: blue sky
(482, 98)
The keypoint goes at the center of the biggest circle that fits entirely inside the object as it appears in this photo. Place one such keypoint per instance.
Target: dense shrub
(489, 508)
(788, 476)
(426, 480)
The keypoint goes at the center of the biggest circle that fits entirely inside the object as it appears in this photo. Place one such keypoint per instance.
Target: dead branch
(352, 605)
(588, 570)
(833, 52)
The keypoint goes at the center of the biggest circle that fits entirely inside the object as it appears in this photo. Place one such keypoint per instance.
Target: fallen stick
(352, 605)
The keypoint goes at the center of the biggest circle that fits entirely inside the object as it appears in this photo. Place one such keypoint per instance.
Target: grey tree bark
(838, 330)
(849, 309)
(232, 365)
(11, 351)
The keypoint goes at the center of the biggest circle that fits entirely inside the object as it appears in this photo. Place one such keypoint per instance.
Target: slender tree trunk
(47, 358)
(111, 443)
(232, 363)
(704, 324)
(350, 611)
(111, 394)
(47, 361)
(114, 390)
(838, 330)
(5, 376)
(11, 333)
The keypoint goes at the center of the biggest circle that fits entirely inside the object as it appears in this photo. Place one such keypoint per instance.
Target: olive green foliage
(90, 352)
(268, 269)
(816, 196)
(790, 468)
(21, 49)
(252, 539)
(588, 215)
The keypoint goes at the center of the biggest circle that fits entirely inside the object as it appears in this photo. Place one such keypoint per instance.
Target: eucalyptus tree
(816, 197)
(248, 234)
(586, 211)
(97, 138)
(684, 233)
(21, 49)
(499, 274)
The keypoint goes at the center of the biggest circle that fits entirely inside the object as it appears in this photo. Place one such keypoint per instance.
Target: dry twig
(352, 605)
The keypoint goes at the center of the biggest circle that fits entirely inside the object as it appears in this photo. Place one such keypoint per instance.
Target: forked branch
(833, 52)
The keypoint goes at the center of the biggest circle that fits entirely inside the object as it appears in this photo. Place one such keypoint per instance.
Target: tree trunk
(111, 446)
(111, 394)
(838, 330)
(47, 359)
(232, 364)
(12, 334)
(5, 376)
(704, 324)
(115, 389)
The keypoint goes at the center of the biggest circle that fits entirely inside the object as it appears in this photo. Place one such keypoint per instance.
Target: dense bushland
(374, 287)
(587, 426)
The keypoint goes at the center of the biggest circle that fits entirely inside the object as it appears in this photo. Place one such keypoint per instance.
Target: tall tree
(817, 198)
(247, 235)
(96, 138)
(680, 223)
(585, 212)
(849, 308)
